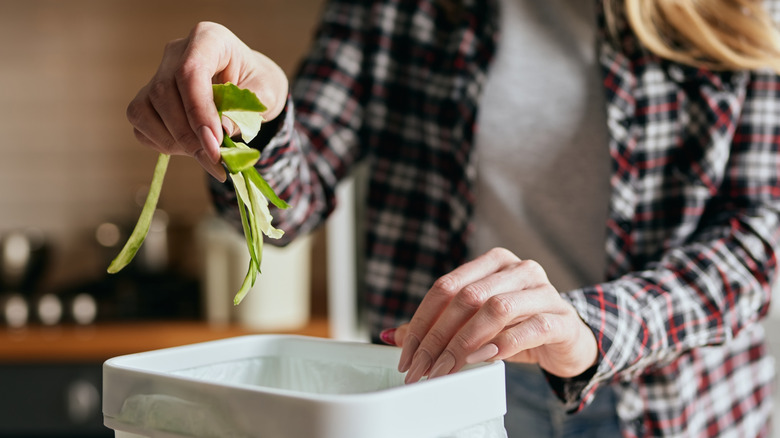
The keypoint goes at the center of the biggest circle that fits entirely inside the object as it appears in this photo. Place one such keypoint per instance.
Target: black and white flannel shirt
(692, 232)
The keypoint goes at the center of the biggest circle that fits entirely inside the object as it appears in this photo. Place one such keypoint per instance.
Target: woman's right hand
(175, 114)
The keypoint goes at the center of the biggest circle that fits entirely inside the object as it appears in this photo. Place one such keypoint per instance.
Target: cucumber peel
(253, 192)
(141, 228)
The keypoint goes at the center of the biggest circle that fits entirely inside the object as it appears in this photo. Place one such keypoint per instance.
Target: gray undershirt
(541, 147)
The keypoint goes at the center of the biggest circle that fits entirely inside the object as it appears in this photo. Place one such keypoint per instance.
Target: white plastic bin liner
(294, 387)
(299, 374)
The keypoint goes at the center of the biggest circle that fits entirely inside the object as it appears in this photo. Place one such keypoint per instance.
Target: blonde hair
(717, 34)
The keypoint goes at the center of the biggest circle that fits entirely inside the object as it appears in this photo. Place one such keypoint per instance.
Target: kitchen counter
(59, 370)
(71, 343)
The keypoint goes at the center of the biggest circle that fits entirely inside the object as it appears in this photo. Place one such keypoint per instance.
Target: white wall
(772, 326)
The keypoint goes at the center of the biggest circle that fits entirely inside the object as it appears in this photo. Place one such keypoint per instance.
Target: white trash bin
(281, 386)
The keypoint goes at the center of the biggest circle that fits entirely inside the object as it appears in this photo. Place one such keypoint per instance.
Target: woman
(665, 130)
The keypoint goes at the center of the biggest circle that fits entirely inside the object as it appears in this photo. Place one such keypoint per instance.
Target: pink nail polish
(486, 352)
(388, 336)
(442, 368)
(209, 143)
(214, 170)
(418, 370)
(410, 347)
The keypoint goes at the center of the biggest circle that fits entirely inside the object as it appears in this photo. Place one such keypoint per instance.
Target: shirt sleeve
(717, 282)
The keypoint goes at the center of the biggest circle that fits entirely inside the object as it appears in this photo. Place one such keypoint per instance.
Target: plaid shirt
(692, 231)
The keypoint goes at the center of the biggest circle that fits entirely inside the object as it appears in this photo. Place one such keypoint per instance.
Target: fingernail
(388, 336)
(215, 170)
(445, 364)
(410, 347)
(419, 369)
(220, 174)
(209, 144)
(486, 352)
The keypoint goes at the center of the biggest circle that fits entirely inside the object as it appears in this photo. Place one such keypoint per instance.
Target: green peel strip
(252, 191)
(138, 235)
(238, 160)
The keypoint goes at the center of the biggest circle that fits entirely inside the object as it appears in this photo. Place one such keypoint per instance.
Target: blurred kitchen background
(69, 159)
(72, 177)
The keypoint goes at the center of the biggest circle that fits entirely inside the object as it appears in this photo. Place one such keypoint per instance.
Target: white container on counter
(283, 386)
(279, 300)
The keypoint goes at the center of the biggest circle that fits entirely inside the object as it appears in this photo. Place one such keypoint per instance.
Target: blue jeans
(533, 410)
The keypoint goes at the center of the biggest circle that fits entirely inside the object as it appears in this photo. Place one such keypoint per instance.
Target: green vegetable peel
(252, 191)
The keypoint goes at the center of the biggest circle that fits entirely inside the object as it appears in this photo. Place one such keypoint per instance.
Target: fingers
(467, 308)
(500, 314)
(201, 61)
(171, 137)
(175, 113)
(560, 343)
(147, 124)
(158, 113)
(535, 331)
(496, 307)
(456, 325)
(440, 295)
(214, 169)
(202, 144)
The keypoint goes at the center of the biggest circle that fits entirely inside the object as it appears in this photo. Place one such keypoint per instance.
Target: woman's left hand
(496, 307)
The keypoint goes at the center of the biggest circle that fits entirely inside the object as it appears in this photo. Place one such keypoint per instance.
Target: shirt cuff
(270, 129)
(570, 389)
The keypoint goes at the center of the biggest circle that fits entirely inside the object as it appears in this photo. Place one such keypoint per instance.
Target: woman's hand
(175, 113)
(496, 307)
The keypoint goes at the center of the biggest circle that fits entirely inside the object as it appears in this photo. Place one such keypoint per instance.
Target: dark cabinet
(51, 400)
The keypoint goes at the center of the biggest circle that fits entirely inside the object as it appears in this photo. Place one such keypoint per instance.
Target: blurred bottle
(14, 310)
(83, 308)
(48, 309)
